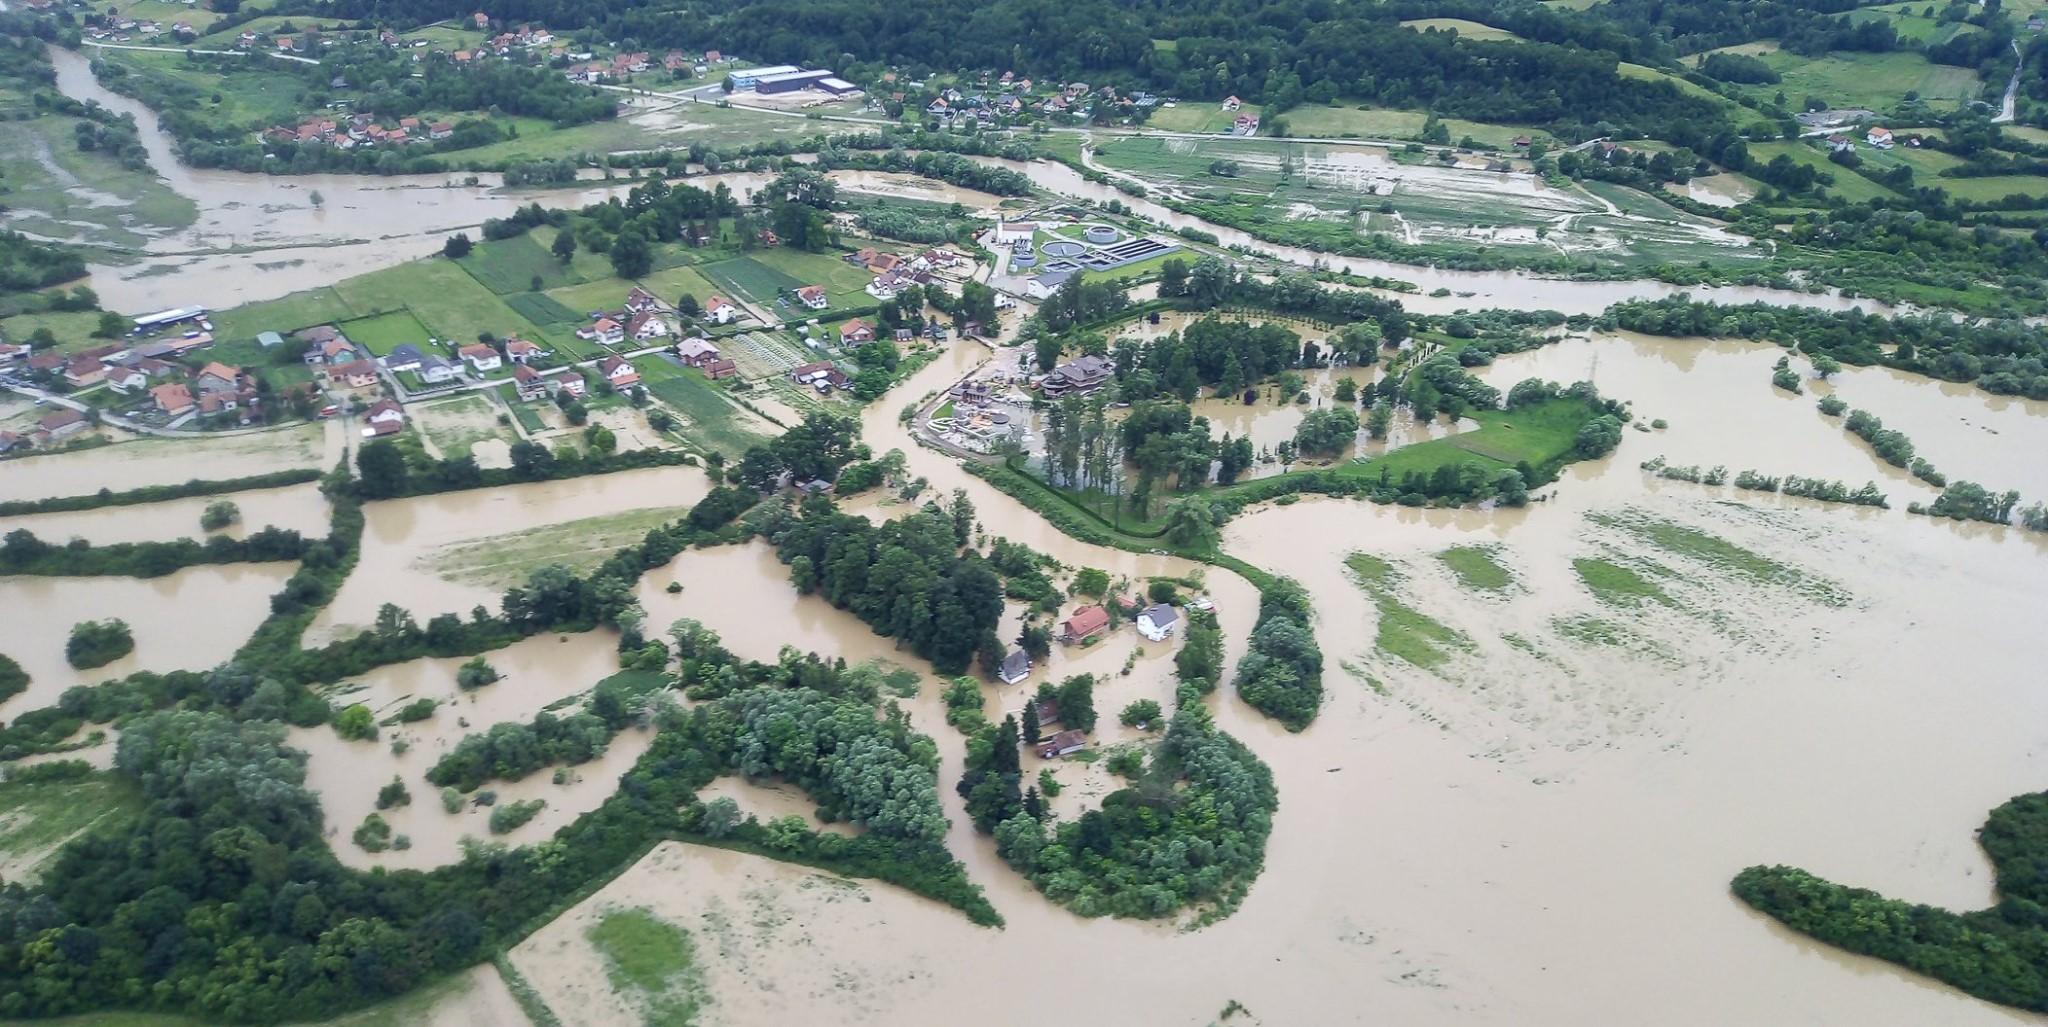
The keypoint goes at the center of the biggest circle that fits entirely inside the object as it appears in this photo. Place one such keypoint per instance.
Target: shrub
(355, 723)
(514, 815)
(393, 794)
(219, 514)
(1144, 712)
(475, 673)
(417, 710)
(96, 643)
(451, 800)
(373, 835)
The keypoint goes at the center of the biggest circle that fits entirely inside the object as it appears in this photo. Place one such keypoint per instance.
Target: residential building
(1880, 137)
(403, 357)
(437, 370)
(11, 352)
(360, 374)
(1016, 667)
(719, 310)
(646, 326)
(821, 375)
(1081, 374)
(605, 332)
(126, 379)
(812, 296)
(1086, 623)
(61, 424)
(856, 332)
(1062, 744)
(570, 382)
(520, 351)
(528, 382)
(1840, 143)
(384, 418)
(10, 441)
(717, 369)
(618, 372)
(1157, 621)
(640, 301)
(696, 351)
(174, 399)
(218, 377)
(83, 371)
(480, 357)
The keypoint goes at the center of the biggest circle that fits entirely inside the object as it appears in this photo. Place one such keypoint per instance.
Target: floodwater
(1538, 835)
(404, 538)
(299, 508)
(190, 620)
(155, 461)
(535, 674)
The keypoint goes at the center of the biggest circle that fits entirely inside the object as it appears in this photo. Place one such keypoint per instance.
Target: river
(259, 236)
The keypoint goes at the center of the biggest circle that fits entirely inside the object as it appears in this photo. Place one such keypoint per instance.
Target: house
(1010, 233)
(11, 352)
(84, 371)
(821, 375)
(883, 287)
(520, 351)
(528, 382)
(1082, 374)
(1048, 711)
(218, 377)
(718, 310)
(856, 332)
(125, 379)
(437, 370)
(696, 351)
(646, 326)
(9, 442)
(1086, 623)
(1231, 103)
(174, 399)
(640, 301)
(618, 372)
(403, 357)
(1157, 622)
(720, 369)
(1246, 125)
(1016, 667)
(384, 418)
(812, 296)
(569, 382)
(440, 130)
(483, 21)
(316, 339)
(481, 357)
(1061, 744)
(1880, 137)
(1840, 143)
(606, 332)
(360, 374)
(1521, 142)
(269, 340)
(61, 424)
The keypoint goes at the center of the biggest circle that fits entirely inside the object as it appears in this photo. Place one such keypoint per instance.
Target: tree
(1046, 349)
(475, 673)
(1826, 366)
(356, 723)
(111, 326)
(1076, 697)
(457, 246)
(1143, 712)
(219, 514)
(1173, 277)
(1326, 431)
(1028, 724)
(96, 643)
(721, 815)
(1191, 524)
(631, 255)
(564, 247)
(1091, 581)
(381, 470)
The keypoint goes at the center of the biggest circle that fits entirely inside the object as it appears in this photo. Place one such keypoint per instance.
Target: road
(209, 53)
(2012, 88)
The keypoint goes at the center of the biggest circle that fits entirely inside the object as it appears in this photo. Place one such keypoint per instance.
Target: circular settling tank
(1101, 235)
(1063, 249)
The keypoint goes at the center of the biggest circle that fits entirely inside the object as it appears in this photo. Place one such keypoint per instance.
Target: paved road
(210, 53)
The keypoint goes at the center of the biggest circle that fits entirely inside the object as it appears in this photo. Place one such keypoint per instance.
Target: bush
(1142, 713)
(475, 673)
(13, 680)
(219, 514)
(96, 643)
(514, 815)
(393, 794)
(416, 711)
(373, 834)
(356, 723)
(451, 800)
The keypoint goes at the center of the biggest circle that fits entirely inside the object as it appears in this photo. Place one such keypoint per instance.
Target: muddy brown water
(155, 461)
(403, 538)
(190, 620)
(299, 508)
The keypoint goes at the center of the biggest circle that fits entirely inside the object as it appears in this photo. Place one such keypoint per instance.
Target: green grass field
(264, 93)
(1848, 184)
(445, 299)
(384, 332)
(1477, 567)
(844, 283)
(36, 817)
(712, 420)
(511, 265)
(653, 962)
(685, 123)
(285, 314)
(1992, 188)
(1879, 81)
(542, 309)
(1908, 21)
(1403, 632)
(1466, 29)
(756, 282)
(1199, 116)
(671, 283)
(1643, 74)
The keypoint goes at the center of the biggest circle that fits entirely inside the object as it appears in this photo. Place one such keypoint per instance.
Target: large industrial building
(789, 81)
(748, 79)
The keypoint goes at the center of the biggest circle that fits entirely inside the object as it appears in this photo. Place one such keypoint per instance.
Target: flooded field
(299, 508)
(543, 672)
(134, 464)
(190, 620)
(422, 553)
